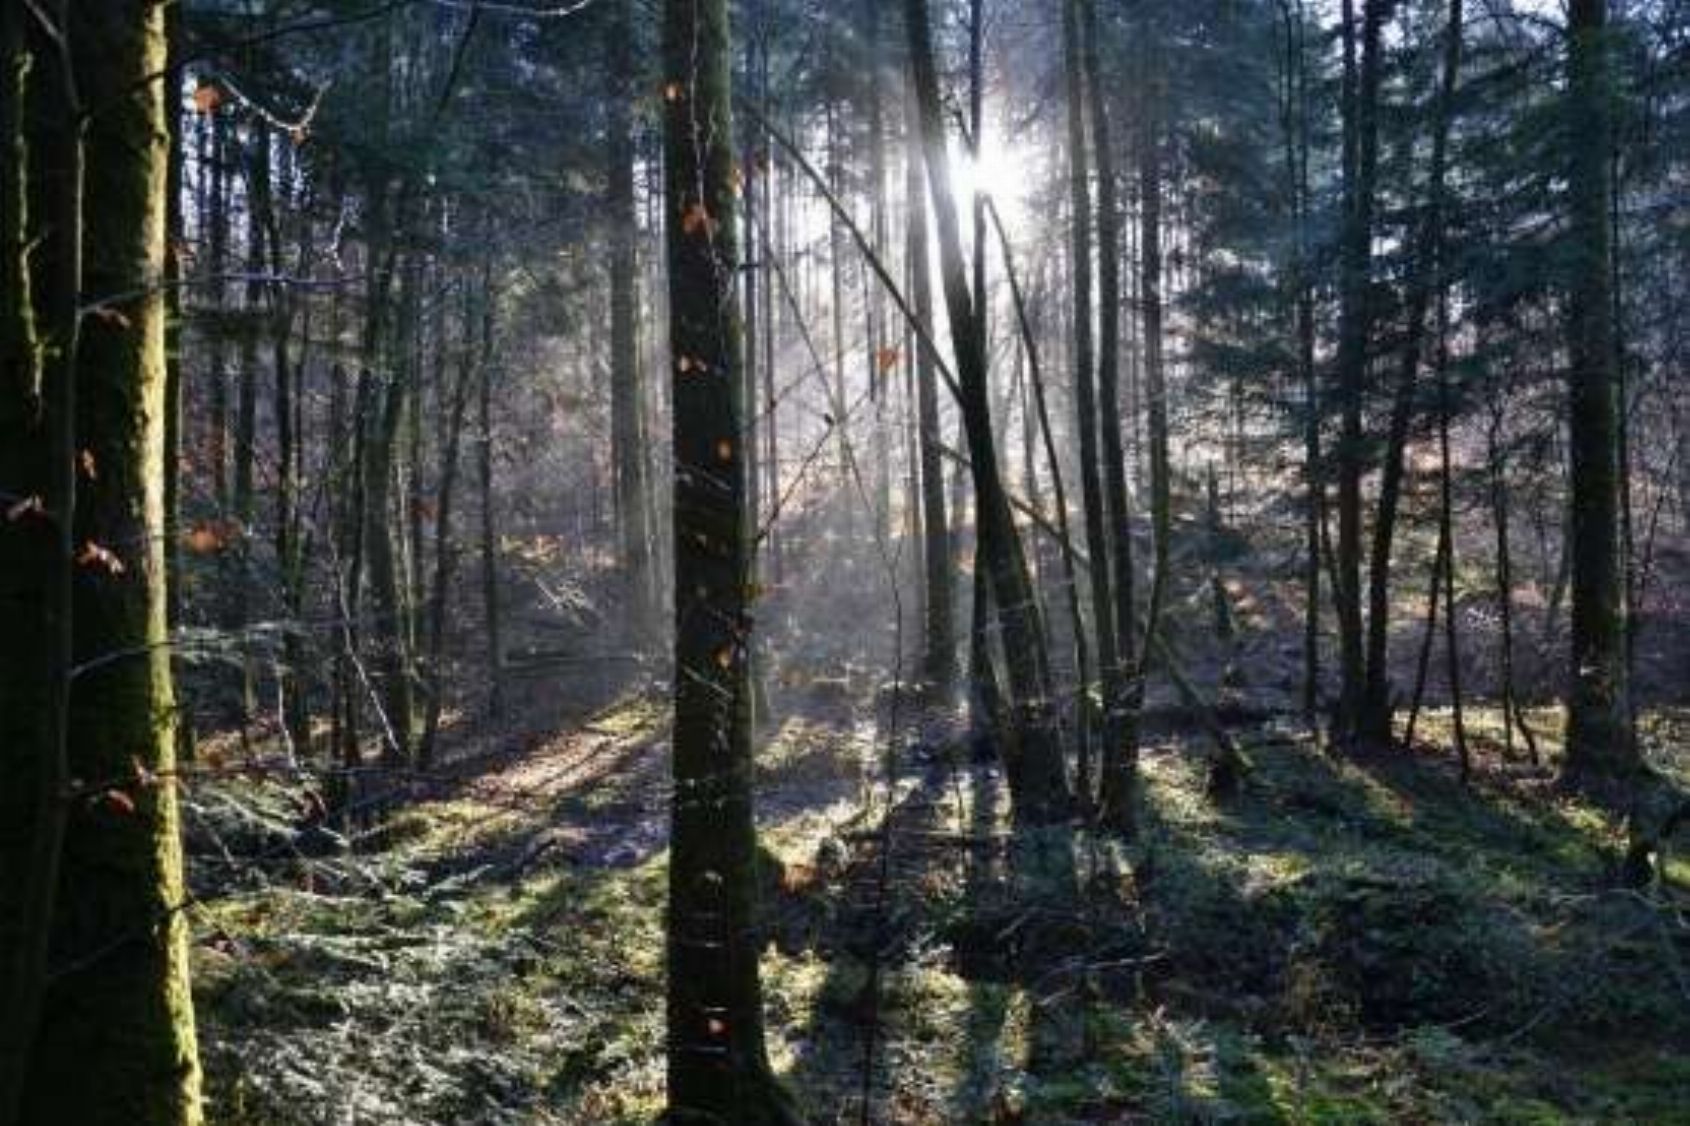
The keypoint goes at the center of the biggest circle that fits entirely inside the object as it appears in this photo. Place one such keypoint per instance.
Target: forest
(805, 562)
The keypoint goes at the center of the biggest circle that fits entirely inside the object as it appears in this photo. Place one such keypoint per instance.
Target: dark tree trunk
(1599, 739)
(1361, 146)
(1375, 720)
(1119, 757)
(718, 1066)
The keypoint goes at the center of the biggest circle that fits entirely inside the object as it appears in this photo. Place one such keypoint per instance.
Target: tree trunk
(1120, 763)
(1098, 540)
(1599, 741)
(627, 438)
(1375, 720)
(117, 1044)
(718, 1065)
(1361, 146)
(939, 638)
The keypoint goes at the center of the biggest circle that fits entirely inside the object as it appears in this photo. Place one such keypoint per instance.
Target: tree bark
(1361, 146)
(718, 1065)
(117, 1043)
(1600, 746)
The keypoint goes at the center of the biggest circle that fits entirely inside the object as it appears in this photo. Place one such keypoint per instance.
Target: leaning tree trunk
(1599, 739)
(1036, 772)
(117, 1043)
(718, 1064)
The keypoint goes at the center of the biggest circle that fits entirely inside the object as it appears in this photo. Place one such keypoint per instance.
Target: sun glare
(1002, 171)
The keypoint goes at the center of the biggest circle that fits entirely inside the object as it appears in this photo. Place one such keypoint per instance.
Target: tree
(1355, 318)
(1036, 774)
(626, 383)
(718, 1063)
(1099, 542)
(1120, 766)
(117, 1043)
(1599, 739)
(939, 635)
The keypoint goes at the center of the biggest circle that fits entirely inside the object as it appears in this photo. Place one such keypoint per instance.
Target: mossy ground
(1354, 940)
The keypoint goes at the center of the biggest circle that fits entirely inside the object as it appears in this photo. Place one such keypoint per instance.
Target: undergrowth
(1354, 940)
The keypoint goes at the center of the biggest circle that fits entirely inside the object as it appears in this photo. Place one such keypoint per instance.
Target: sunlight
(1003, 171)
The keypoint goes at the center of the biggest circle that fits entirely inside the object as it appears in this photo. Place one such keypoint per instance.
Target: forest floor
(1353, 940)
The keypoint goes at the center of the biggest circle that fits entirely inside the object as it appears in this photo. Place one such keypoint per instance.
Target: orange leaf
(203, 540)
(672, 92)
(696, 218)
(725, 656)
(887, 359)
(112, 316)
(207, 97)
(118, 802)
(92, 554)
(85, 462)
(724, 450)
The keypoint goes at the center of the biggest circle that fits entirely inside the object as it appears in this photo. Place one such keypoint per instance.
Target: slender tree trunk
(391, 664)
(627, 436)
(1446, 534)
(445, 553)
(939, 639)
(1513, 714)
(1155, 370)
(1375, 720)
(1098, 540)
(1361, 145)
(1120, 762)
(490, 609)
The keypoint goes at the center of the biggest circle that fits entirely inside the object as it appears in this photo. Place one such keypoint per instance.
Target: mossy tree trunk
(115, 1043)
(718, 1067)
